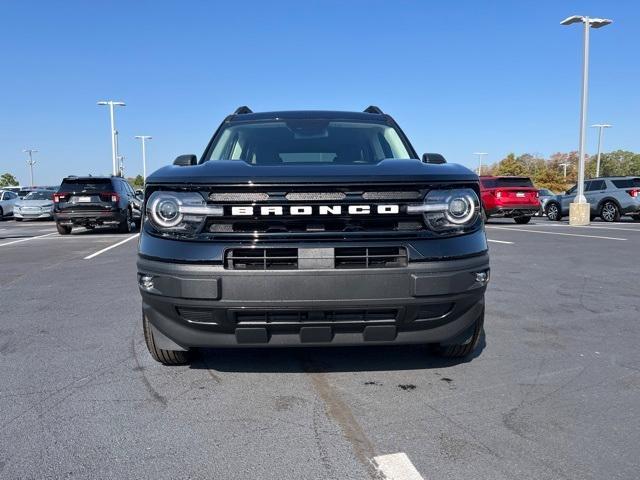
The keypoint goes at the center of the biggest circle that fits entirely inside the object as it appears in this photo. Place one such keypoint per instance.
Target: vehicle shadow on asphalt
(326, 359)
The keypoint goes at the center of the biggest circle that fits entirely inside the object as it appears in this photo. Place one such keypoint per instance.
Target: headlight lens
(179, 211)
(449, 210)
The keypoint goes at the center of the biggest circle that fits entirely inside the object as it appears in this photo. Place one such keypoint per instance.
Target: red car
(510, 197)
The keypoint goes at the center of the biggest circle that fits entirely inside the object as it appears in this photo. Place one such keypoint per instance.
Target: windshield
(39, 196)
(308, 141)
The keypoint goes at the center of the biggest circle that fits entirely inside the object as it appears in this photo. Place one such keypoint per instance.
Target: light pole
(114, 153)
(31, 162)
(143, 139)
(120, 166)
(565, 165)
(480, 155)
(579, 210)
(601, 127)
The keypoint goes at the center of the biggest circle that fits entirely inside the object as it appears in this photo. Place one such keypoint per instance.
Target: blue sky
(459, 76)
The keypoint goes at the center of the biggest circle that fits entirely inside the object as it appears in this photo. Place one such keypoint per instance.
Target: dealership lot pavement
(554, 393)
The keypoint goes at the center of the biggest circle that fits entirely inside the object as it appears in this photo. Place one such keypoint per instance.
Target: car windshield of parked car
(544, 192)
(86, 185)
(308, 142)
(39, 196)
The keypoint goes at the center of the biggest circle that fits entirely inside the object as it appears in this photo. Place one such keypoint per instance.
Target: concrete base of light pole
(579, 214)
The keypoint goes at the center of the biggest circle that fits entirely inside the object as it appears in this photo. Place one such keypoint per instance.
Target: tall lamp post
(565, 165)
(600, 127)
(579, 210)
(31, 162)
(114, 152)
(480, 155)
(143, 139)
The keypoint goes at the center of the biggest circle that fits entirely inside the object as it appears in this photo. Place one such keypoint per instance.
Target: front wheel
(467, 347)
(63, 229)
(610, 212)
(553, 212)
(17, 219)
(166, 357)
(522, 220)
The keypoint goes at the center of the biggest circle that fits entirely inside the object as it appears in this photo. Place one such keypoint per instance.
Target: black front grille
(290, 258)
(307, 317)
(370, 257)
(296, 211)
(262, 259)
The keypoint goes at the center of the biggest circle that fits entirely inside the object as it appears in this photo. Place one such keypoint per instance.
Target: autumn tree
(8, 180)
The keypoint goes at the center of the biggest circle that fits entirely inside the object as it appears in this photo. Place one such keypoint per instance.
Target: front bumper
(97, 217)
(208, 306)
(33, 214)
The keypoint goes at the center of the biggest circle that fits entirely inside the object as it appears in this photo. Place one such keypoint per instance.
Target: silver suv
(609, 197)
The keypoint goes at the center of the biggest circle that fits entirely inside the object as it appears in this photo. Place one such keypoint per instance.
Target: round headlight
(165, 211)
(461, 209)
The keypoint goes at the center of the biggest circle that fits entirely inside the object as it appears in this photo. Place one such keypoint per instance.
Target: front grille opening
(197, 315)
(433, 311)
(294, 317)
(261, 259)
(370, 257)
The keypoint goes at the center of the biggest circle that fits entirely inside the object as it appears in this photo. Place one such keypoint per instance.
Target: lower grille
(370, 257)
(324, 317)
(262, 259)
(197, 315)
(304, 259)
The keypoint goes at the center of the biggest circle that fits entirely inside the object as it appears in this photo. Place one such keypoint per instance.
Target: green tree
(8, 180)
(510, 165)
(138, 181)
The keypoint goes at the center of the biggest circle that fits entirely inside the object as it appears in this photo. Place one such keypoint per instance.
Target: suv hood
(239, 172)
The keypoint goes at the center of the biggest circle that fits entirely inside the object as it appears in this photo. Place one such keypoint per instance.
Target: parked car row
(609, 199)
(515, 197)
(78, 201)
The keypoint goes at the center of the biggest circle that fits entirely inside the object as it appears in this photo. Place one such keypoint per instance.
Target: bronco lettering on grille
(315, 209)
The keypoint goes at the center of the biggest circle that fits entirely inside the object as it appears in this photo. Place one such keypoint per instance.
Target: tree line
(549, 172)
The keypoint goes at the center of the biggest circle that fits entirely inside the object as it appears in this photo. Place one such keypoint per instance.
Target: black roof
(309, 114)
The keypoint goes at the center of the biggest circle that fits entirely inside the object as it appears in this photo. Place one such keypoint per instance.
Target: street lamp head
(143, 137)
(111, 102)
(480, 153)
(602, 125)
(593, 22)
(599, 22)
(573, 19)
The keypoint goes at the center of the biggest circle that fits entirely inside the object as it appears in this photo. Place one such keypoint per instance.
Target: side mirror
(185, 160)
(433, 158)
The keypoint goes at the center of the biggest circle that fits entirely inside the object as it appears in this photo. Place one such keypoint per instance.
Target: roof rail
(373, 109)
(243, 109)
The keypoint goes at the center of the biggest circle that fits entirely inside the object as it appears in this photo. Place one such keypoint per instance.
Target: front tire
(17, 219)
(609, 212)
(63, 229)
(166, 357)
(522, 220)
(466, 348)
(553, 212)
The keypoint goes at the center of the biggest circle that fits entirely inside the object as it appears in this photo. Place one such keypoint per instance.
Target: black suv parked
(311, 228)
(91, 201)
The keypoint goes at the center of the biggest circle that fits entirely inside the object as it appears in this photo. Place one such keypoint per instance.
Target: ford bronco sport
(311, 228)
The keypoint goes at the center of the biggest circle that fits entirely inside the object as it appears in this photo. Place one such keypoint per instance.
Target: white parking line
(26, 239)
(396, 466)
(99, 252)
(595, 227)
(499, 241)
(514, 229)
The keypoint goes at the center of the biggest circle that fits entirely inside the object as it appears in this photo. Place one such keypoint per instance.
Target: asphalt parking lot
(553, 394)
